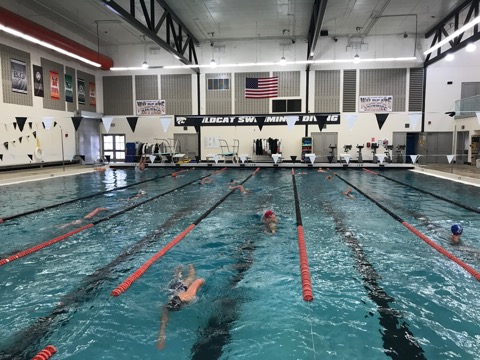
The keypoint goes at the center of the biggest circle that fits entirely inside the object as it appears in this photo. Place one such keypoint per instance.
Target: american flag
(259, 88)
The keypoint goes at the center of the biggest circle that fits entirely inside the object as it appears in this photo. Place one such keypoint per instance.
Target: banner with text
(257, 120)
(379, 103)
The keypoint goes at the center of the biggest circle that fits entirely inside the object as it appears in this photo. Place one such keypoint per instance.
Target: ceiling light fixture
(471, 47)
(449, 57)
(213, 63)
(283, 61)
(356, 59)
(145, 65)
(453, 35)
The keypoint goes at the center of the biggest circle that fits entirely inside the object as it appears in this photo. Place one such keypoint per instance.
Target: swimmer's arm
(163, 327)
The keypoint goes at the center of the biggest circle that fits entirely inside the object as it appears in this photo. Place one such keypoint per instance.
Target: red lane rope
(304, 270)
(141, 270)
(46, 353)
(442, 251)
(43, 245)
(370, 171)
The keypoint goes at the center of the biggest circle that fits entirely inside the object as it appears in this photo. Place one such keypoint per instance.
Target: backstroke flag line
(261, 88)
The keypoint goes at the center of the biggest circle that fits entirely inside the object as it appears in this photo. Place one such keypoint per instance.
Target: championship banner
(19, 76)
(81, 91)
(38, 81)
(68, 88)
(150, 107)
(91, 92)
(258, 120)
(377, 103)
(54, 86)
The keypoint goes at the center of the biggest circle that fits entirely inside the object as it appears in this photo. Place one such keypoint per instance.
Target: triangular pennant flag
(20, 139)
(132, 121)
(107, 122)
(346, 158)
(478, 116)
(450, 158)
(21, 122)
(152, 158)
(381, 118)
(165, 120)
(413, 119)
(291, 120)
(76, 121)
(30, 156)
(15, 126)
(82, 157)
(6, 145)
(260, 122)
(1, 157)
(197, 128)
(414, 158)
(35, 134)
(321, 121)
(47, 122)
(351, 120)
(54, 123)
(381, 158)
(30, 124)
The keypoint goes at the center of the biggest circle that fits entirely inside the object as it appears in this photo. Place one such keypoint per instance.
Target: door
(399, 143)
(462, 147)
(187, 144)
(88, 140)
(322, 143)
(439, 145)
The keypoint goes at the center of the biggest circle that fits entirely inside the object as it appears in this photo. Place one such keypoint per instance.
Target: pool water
(379, 291)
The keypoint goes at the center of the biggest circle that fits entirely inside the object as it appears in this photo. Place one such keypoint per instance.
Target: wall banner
(81, 91)
(257, 120)
(38, 81)
(19, 76)
(54, 86)
(68, 88)
(91, 92)
(376, 103)
(150, 107)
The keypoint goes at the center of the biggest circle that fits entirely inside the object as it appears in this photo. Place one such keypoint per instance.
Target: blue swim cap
(457, 229)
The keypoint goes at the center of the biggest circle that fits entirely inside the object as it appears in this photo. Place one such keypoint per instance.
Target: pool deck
(463, 173)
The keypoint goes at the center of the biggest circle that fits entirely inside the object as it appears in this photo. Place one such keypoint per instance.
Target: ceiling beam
(184, 42)
(460, 41)
(318, 13)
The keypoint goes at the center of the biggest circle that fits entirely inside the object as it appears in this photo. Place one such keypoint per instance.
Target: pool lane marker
(302, 248)
(77, 199)
(425, 238)
(88, 226)
(467, 207)
(398, 340)
(142, 269)
(46, 353)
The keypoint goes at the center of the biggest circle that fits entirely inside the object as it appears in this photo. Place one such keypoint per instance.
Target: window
(288, 105)
(114, 147)
(218, 84)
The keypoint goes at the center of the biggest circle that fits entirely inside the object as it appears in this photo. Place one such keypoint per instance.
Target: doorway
(187, 144)
(113, 146)
(88, 140)
(321, 146)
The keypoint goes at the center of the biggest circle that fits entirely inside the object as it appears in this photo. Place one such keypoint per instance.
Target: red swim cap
(268, 213)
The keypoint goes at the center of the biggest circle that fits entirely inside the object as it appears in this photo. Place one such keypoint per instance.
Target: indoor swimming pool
(379, 291)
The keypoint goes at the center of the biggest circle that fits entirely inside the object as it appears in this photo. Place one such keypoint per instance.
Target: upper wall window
(218, 84)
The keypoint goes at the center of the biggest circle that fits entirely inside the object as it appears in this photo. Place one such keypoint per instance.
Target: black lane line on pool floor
(467, 207)
(34, 249)
(398, 341)
(28, 341)
(77, 199)
(216, 333)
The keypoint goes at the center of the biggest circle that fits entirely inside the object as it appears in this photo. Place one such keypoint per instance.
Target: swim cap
(142, 192)
(457, 229)
(268, 213)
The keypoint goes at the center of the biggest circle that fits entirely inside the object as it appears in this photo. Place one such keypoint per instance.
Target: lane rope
(10, 217)
(46, 353)
(87, 226)
(415, 231)
(142, 269)
(302, 248)
(467, 207)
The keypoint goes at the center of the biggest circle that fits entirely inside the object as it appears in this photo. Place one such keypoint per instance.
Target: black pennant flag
(197, 128)
(76, 121)
(6, 145)
(132, 121)
(82, 157)
(21, 122)
(15, 126)
(20, 139)
(55, 124)
(30, 124)
(321, 121)
(260, 122)
(1, 157)
(35, 134)
(381, 118)
(30, 156)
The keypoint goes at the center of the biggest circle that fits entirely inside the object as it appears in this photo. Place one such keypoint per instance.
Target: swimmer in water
(270, 220)
(348, 193)
(457, 231)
